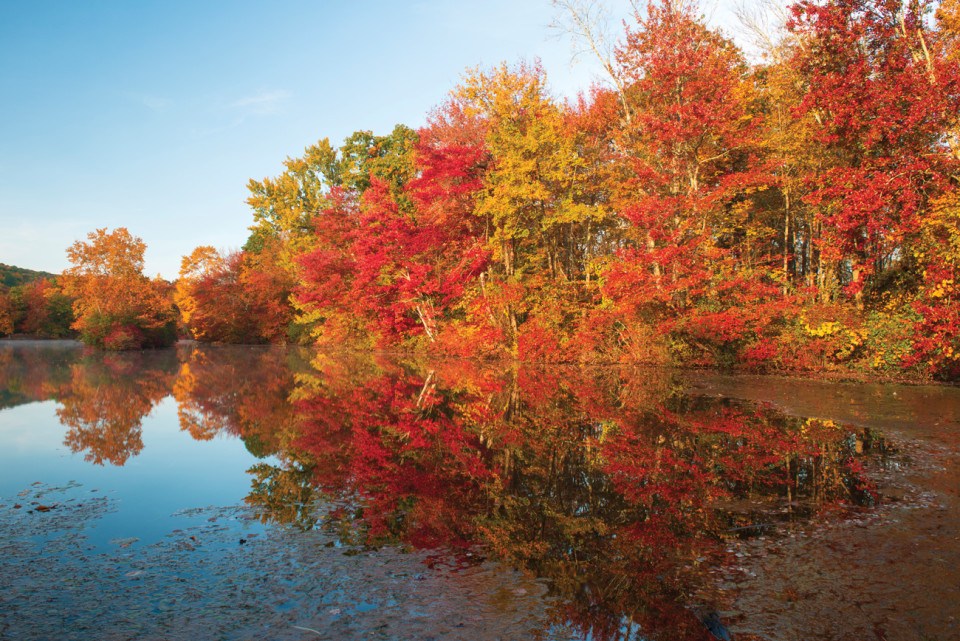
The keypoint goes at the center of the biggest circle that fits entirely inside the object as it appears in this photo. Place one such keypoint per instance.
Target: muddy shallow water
(888, 573)
(248, 493)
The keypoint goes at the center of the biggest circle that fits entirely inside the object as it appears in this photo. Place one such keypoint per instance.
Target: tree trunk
(786, 242)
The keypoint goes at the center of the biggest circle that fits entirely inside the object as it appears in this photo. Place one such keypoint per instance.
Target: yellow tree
(535, 225)
(284, 207)
(525, 188)
(787, 144)
(948, 19)
(116, 306)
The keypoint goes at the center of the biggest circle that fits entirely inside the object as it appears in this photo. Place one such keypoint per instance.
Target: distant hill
(12, 276)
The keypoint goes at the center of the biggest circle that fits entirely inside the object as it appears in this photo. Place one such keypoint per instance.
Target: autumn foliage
(794, 213)
(6, 313)
(240, 297)
(37, 308)
(115, 305)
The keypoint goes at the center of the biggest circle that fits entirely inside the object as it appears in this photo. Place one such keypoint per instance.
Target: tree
(790, 156)
(691, 147)
(450, 251)
(883, 100)
(948, 17)
(535, 227)
(936, 337)
(388, 158)
(240, 297)
(284, 207)
(115, 305)
(202, 263)
(326, 274)
(297, 222)
(43, 308)
(6, 312)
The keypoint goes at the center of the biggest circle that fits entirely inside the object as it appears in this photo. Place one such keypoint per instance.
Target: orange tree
(239, 297)
(116, 306)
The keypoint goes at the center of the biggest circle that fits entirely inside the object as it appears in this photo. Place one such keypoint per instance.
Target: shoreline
(831, 376)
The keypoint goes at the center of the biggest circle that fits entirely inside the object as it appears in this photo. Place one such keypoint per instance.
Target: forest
(795, 213)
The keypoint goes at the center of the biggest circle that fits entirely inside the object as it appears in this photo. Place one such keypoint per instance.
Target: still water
(262, 492)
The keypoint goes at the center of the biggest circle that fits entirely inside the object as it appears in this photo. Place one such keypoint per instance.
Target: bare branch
(587, 23)
(764, 24)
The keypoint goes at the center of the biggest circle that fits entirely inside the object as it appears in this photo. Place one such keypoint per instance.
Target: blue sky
(154, 115)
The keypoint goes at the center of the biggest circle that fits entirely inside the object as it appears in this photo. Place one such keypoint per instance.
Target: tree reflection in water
(613, 485)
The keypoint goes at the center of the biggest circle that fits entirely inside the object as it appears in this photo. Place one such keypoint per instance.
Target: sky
(153, 115)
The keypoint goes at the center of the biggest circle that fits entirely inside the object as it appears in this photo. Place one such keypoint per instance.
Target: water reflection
(102, 398)
(237, 391)
(103, 403)
(614, 486)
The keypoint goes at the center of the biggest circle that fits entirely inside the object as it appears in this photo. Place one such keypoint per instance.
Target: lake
(214, 492)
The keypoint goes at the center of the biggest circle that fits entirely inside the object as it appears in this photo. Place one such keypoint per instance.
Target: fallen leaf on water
(124, 543)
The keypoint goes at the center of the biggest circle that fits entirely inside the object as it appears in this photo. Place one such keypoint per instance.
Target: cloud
(152, 102)
(262, 103)
(230, 115)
